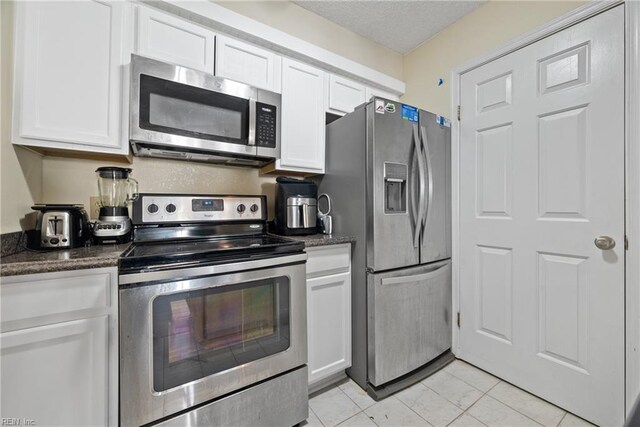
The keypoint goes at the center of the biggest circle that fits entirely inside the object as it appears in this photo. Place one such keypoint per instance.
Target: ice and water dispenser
(395, 188)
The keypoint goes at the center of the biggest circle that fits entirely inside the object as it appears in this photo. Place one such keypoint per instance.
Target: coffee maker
(296, 206)
(116, 189)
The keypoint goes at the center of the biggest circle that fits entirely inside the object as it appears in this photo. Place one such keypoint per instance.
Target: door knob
(604, 242)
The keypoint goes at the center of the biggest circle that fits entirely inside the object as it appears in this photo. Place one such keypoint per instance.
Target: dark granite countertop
(31, 262)
(97, 256)
(323, 239)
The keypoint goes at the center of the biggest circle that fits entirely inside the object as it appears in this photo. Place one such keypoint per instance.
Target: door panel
(436, 234)
(391, 153)
(399, 344)
(542, 175)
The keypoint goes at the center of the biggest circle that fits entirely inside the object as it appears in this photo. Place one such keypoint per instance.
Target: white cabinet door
(344, 94)
(68, 75)
(303, 118)
(59, 347)
(371, 92)
(247, 64)
(57, 374)
(167, 38)
(329, 325)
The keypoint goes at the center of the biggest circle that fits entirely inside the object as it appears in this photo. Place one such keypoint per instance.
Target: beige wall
(73, 180)
(479, 32)
(20, 170)
(293, 19)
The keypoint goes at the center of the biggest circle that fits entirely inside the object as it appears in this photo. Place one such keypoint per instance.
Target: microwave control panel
(266, 118)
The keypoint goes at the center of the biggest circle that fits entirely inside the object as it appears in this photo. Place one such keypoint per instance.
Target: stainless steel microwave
(180, 113)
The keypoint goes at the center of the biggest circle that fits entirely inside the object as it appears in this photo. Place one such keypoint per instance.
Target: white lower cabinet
(59, 348)
(328, 311)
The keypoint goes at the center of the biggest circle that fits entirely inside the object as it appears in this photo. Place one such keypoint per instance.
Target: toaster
(59, 227)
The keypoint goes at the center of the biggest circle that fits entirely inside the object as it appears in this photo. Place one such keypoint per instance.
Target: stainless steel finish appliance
(180, 113)
(116, 190)
(388, 173)
(59, 227)
(301, 212)
(296, 206)
(212, 315)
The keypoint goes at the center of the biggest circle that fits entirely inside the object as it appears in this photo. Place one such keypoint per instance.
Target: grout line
(316, 415)
(562, 419)
(515, 410)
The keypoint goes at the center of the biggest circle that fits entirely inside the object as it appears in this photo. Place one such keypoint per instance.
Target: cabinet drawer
(328, 260)
(46, 295)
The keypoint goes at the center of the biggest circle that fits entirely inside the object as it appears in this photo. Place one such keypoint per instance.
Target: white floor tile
(333, 406)
(357, 394)
(466, 420)
(493, 413)
(472, 375)
(527, 404)
(312, 421)
(453, 389)
(360, 420)
(571, 420)
(425, 402)
(391, 412)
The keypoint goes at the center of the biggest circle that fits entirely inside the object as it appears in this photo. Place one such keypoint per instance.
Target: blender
(116, 189)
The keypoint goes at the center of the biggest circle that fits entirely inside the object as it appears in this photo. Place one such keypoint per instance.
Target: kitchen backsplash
(74, 180)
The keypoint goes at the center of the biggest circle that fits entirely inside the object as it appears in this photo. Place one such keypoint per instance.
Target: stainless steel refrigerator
(388, 175)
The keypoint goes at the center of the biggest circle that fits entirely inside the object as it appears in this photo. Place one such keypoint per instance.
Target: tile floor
(459, 395)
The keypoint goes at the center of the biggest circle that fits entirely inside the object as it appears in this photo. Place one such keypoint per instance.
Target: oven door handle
(209, 270)
(252, 122)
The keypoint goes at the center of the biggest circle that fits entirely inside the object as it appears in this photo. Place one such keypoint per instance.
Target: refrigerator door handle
(415, 278)
(421, 175)
(427, 154)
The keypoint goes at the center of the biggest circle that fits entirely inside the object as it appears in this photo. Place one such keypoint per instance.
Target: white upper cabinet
(344, 94)
(370, 92)
(68, 76)
(247, 64)
(170, 39)
(303, 118)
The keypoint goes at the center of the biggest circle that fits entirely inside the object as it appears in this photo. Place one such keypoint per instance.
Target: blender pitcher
(116, 189)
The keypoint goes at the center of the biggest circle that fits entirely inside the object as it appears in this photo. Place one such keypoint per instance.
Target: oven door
(192, 335)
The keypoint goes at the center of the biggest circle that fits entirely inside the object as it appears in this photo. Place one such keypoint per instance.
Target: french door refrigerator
(388, 175)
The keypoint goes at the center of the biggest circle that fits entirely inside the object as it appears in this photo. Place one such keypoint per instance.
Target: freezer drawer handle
(416, 278)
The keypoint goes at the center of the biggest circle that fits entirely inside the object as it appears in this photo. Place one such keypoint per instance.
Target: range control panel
(167, 208)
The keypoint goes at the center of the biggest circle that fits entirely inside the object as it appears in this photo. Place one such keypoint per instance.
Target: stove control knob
(171, 208)
(254, 208)
(241, 208)
(152, 208)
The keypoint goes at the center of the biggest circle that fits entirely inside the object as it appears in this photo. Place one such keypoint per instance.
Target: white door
(167, 38)
(68, 75)
(541, 176)
(303, 117)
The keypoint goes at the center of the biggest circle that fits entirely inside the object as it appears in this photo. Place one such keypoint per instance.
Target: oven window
(179, 109)
(199, 333)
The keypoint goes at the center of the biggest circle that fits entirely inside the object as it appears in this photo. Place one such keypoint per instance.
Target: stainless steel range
(212, 316)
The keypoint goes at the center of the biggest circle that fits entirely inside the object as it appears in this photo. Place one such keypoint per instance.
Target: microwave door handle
(252, 122)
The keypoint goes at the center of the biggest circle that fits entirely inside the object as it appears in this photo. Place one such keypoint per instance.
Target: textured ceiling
(397, 24)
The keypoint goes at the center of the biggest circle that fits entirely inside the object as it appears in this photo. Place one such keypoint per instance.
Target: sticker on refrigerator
(379, 106)
(410, 113)
(391, 108)
(443, 121)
